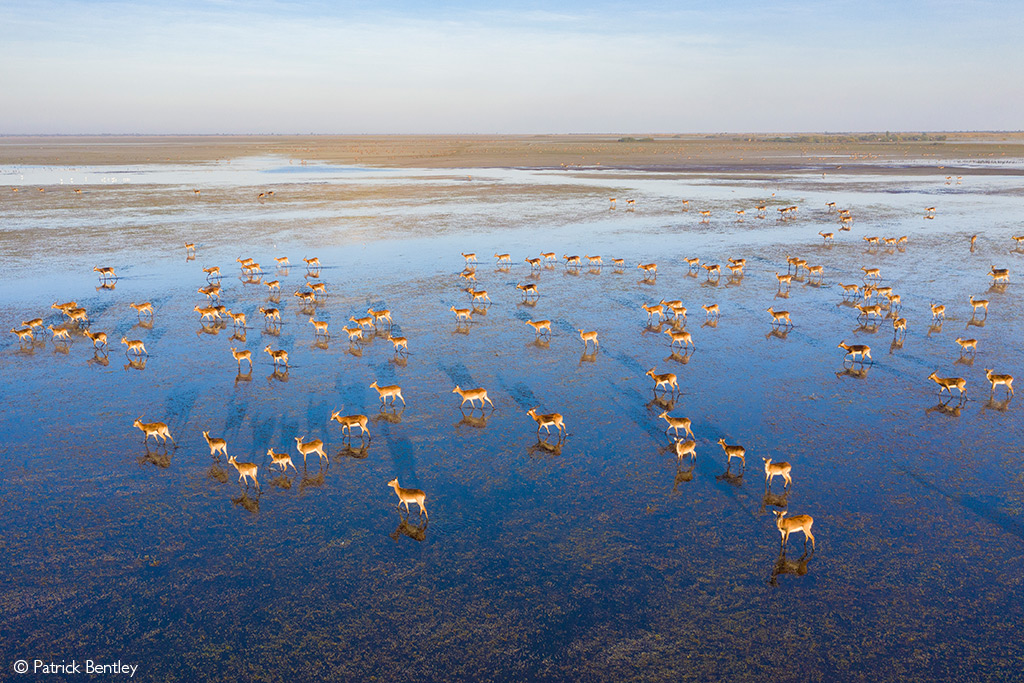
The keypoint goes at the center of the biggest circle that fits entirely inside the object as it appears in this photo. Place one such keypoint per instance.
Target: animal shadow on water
(998, 406)
(314, 482)
(278, 374)
(730, 477)
(350, 451)
(796, 567)
(683, 474)
(588, 357)
(156, 457)
(778, 333)
(948, 406)
(243, 377)
(417, 532)
(471, 420)
(666, 403)
(136, 364)
(248, 502)
(544, 447)
(779, 500)
(390, 415)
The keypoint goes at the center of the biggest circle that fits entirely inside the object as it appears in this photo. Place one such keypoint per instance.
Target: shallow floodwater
(598, 556)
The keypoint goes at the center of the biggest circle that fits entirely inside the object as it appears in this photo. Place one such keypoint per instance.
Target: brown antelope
(134, 346)
(979, 303)
(534, 262)
(996, 380)
(207, 312)
(684, 448)
(59, 333)
(618, 262)
(98, 338)
(280, 356)
(967, 344)
(656, 310)
(686, 205)
(272, 285)
(211, 291)
(540, 326)
(705, 216)
(844, 223)
(901, 241)
(347, 422)
(667, 379)
(713, 268)
(312, 262)
(461, 314)
(468, 275)
(899, 325)
(270, 314)
(354, 333)
(871, 240)
(772, 470)
(587, 337)
(681, 337)
(649, 269)
(547, 420)
(1019, 240)
(816, 270)
(677, 423)
(741, 213)
(868, 311)
(736, 269)
(947, 383)
(786, 279)
(105, 272)
(158, 430)
(504, 258)
(930, 210)
(146, 307)
(470, 257)
(307, 298)
(999, 274)
(211, 271)
(238, 319)
(738, 262)
(875, 273)
(282, 460)
(392, 390)
(733, 452)
(245, 262)
(630, 203)
(406, 496)
(319, 327)
(779, 317)
(479, 294)
(77, 314)
(594, 261)
(788, 525)
(676, 306)
(850, 290)
(571, 260)
(239, 356)
(282, 261)
(854, 350)
(65, 307)
(938, 311)
(24, 334)
(831, 206)
(400, 343)
(692, 262)
(612, 202)
(190, 248)
(549, 255)
(711, 310)
(311, 446)
(527, 289)
(472, 395)
(216, 444)
(382, 314)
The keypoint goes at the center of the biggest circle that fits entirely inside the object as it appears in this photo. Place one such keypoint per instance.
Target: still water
(598, 556)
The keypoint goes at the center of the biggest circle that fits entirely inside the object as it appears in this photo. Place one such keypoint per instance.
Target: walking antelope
(158, 430)
(139, 309)
(547, 420)
(588, 337)
(312, 446)
(656, 310)
(382, 314)
(967, 344)
(406, 496)
(280, 356)
(948, 383)
(24, 334)
(649, 269)
(319, 327)
(401, 344)
(996, 380)
(779, 317)
(282, 460)
(504, 258)
(979, 303)
(392, 391)
(347, 422)
(667, 379)
(733, 452)
(999, 274)
(134, 346)
(105, 272)
(938, 311)
(98, 338)
(59, 333)
(239, 356)
(772, 470)
(461, 314)
(472, 395)
(676, 423)
(216, 444)
(854, 350)
(540, 326)
(711, 310)
(681, 337)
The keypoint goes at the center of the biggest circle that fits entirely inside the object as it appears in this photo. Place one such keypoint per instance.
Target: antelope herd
(667, 383)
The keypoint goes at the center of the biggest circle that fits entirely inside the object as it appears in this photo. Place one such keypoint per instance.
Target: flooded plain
(598, 556)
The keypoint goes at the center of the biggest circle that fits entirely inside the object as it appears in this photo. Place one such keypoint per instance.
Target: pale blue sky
(263, 66)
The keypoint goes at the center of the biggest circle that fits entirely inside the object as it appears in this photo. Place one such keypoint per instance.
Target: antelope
(319, 327)
(540, 326)
(207, 312)
(190, 248)
(270, 314)
(845, 222)
(875, 273)
(158, 430)
(470, 257)
(547, 420)
(105, 272)
(816, 270)
(468, 275)
(59, 333)
(282, 261)
(870, 240)
(630, 203)
(779, 317)
(462, 313)
(772, 470)
(930, 209)
(472, 395)
(868, 311)
(594, 260)
(656, 310)
(312, 262)
(711, 310)
(705, 216)
(239, 356)
(571, 260)
(681, 337)
(216, 444)
(400, 343)
(504, 258)
(854, 350)
(382, 314)
(282, 460)
(786, 279)
(692, 262)
(272, 285)
(237, 318)
(549, 255)
(347, 422)
(686, 448)
(734, 452)
(134, 346)
(999, 274)
(1018, 239)
(354, 333)
(527, 289)
(1005, 380)
(612, 202)
(393, 391)
(618, 262)
(311, 446)
(899, 325)
(902, 240)
(534, 262)
(676, 306)
(686, 205)
(406, 496)
(676, 423)
(65, 307)
(736, 269)
(831, 206)
(587, 337)
(211, 271)
(788, 525)
(98, 338)
(24, 334)
(280, 356)
(666, 380)
(307, 298)
(245, 262)
(938, 311)
(850, 290)
(714, 268)
(741, 213)
(77, 314)
(742, 262)
(33, 323)
(947, 383)
(979, 303)
(318, 287)
(479, 295)
(966, 344)
(211, 291)
(649, 269)
(146, 307)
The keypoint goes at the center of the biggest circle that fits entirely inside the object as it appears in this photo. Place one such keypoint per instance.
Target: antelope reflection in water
(796, 567)
(417, 532)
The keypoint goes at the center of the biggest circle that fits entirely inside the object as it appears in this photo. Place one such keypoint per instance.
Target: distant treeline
(627, 139)
(865, 137)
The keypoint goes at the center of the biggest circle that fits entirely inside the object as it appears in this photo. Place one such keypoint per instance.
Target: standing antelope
(472, 395)
(319, 327)
(588, 337)
(547, 420)
(979, 303)
(686, 448)
(677, 423)
(996, 380)
(786, 279)
(282, 460)
(216, 444)
(312, 446)
(280, 356)
(406, 496)
(788, 525)
(772, 470)
(239, 356)
(734, 452)
(347, 422)
(392, 390)
(938, 311)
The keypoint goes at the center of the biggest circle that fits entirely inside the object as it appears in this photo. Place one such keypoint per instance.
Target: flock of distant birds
(871, 290)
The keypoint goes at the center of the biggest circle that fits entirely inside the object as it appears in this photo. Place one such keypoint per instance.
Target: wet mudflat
(596, 556)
